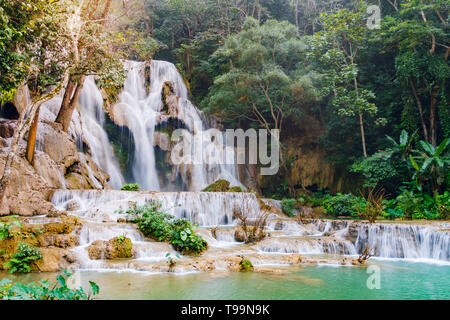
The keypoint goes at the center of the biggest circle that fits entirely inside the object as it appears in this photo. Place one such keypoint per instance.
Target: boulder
(115, 248)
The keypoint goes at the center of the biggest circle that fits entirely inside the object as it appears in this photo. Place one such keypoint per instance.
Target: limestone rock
(115, 248)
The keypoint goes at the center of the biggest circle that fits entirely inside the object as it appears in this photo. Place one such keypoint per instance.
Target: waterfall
(405, 241)
(92, 131)
(142, 112)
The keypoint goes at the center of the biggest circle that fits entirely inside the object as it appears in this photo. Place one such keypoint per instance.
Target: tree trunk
(32, 138)
(433, 125)
(69, 103)
(363, 137)
(21, 128)
(419, 106)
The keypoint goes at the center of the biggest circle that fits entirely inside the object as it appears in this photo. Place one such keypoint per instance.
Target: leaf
(427, 147)
(95, 288)
(441, 148)
(414, 163)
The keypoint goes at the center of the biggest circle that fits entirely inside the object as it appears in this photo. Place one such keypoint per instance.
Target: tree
(419, 31)
(336, 49)
(259, 86)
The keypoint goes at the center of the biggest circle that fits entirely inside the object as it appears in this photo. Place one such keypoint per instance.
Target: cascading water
(214, 213)
(92, 131)
(141, 112)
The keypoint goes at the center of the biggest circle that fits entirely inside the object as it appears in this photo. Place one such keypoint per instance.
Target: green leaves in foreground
(46, 290)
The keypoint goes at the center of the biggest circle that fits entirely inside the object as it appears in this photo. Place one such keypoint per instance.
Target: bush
(161, 226)
(288, 206)
(131, 187)
(342, 205)
(22, 258)
(46, 290)
(415, 205)
(245, 265)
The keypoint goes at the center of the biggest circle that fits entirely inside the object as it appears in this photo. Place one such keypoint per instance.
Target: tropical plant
(161, 226)
(46, 290)
(431, 164)
(288, 206)
(6, 228)
(22, 258)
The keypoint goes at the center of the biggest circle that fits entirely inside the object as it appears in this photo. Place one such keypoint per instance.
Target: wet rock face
(57, 164)
(115, 248)
(7, 128)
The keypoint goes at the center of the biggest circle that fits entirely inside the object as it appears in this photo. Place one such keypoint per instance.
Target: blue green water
(398, 280)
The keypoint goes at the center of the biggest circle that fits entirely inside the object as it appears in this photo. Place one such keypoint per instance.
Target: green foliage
(171, 260)
(288, 206)
(245, 265)
(6, 228)
(161, 226)
(342, 205)
(131, 187)
(22, 258)
(46, 290)
(218, 186)
(412, 204)
(237, 189)
(431, 165)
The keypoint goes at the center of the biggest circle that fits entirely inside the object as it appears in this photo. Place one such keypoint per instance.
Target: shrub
(131, 187)
(342, 205)
(6, 228)
(245, 265)
(22, 258)
(161, 226)
(288, 206)
(46, 290)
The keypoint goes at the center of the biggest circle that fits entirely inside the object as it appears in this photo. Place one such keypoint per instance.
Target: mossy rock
(115, 248)
(218, 186)
(245, 265)
(236, 189)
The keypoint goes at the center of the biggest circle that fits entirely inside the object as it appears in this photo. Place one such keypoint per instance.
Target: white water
(100, 211)
(141, 112)
(92, 131)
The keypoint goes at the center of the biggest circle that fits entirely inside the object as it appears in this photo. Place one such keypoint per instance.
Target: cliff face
(310, 167)
(57, 165)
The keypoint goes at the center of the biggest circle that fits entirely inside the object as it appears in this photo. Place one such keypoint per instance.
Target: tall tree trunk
(433, 125)
(32, 138)
(69, 103)
(419, 106)
(363, 137)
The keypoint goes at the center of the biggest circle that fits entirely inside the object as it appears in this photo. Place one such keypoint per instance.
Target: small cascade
(322, 240)
(92, 122)
(405, 241)
(203, 208)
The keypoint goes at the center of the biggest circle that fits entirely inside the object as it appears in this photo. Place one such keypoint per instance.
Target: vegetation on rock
(131, 187)
(218, 186)
(161, 226)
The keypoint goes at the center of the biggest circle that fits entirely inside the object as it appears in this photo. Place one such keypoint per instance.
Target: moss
(123, 247)
(245, 265)
(218, 186)
(236, 189)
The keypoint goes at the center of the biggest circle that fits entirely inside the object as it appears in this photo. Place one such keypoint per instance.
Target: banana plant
(404, 146)
(431, 163)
